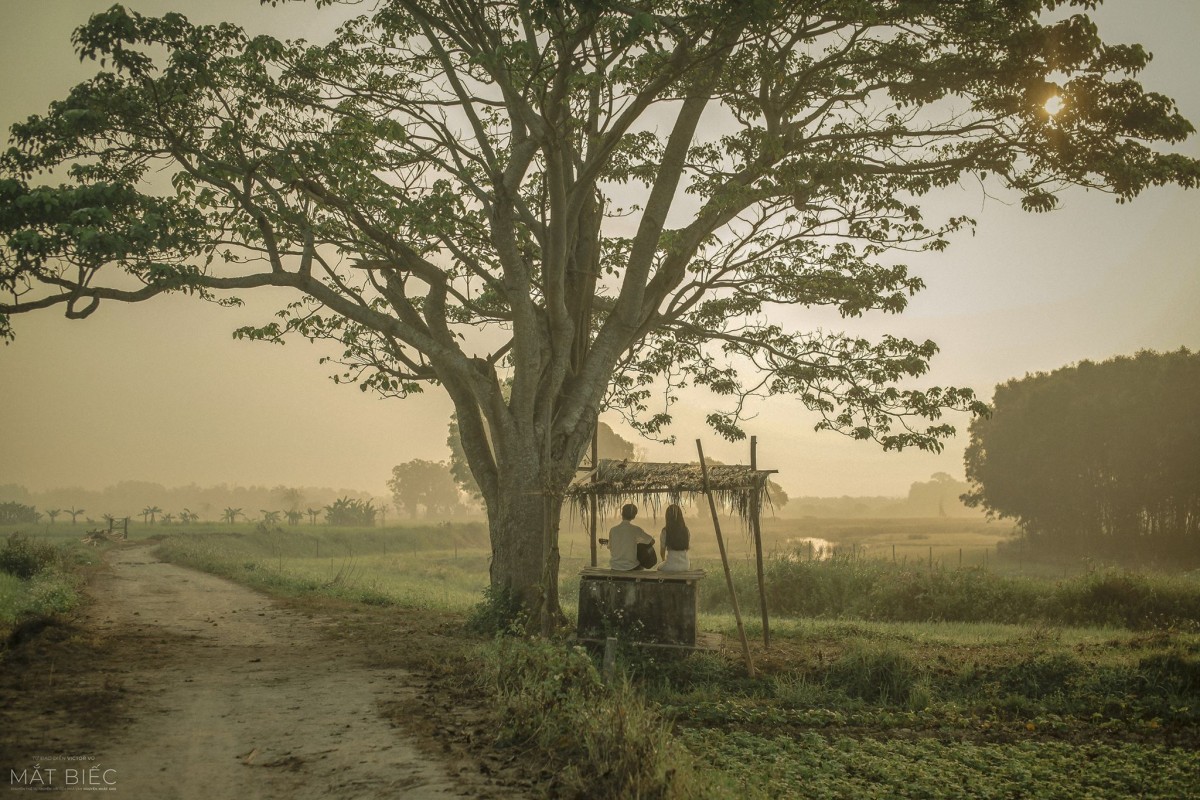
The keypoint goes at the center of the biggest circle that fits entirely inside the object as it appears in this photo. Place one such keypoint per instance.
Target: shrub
(499, 613)
(25, 558)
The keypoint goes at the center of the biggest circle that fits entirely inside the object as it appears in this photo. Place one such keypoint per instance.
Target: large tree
(1097, 459)
(424, 485)
(546, 207)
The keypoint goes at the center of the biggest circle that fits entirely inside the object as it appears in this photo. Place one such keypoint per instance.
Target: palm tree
(187, 516)
(168, 519)
(52, 513)
(231, 514)
(270, 517)
(150, 511)
(313, 513)
(74, 512)
(294, 517)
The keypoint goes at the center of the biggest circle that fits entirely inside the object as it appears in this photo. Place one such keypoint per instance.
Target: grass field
(844, 705)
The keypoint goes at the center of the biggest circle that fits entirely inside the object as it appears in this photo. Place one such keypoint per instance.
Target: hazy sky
(161, 392)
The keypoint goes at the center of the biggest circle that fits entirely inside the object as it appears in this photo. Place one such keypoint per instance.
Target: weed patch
(38, 580)
(883, 675)
(604, 740)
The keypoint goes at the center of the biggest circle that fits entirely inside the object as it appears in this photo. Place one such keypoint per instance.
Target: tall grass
(873, 589)
(37, 581)
(599, 740)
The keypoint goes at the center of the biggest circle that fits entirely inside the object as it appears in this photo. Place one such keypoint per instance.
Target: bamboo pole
(737, 612)
(593, 510)
(756, 531)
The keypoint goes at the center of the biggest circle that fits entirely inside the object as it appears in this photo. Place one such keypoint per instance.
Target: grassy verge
(38, 580)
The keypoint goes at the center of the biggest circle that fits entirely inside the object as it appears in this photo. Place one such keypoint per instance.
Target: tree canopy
(1100, 459)
(427, 486)
(545, 207)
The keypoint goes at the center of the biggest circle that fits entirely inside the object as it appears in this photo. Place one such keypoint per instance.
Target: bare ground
(179, 684)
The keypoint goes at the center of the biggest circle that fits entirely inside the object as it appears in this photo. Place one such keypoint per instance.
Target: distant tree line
(1097, 459)
(154, 503)
(14, 513)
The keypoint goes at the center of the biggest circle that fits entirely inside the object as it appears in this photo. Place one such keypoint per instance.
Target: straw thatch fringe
(648, 484)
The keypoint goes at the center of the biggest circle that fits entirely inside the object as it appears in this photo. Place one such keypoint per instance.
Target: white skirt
(677, 561)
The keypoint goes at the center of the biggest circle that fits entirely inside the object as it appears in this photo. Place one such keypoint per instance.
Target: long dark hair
(676, 535)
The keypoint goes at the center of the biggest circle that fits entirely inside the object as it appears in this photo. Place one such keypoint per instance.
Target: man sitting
(624, 538)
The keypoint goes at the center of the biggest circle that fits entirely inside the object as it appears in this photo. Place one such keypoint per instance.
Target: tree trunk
(523, 523)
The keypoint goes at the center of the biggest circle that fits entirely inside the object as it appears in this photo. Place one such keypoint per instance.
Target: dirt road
(202, 688)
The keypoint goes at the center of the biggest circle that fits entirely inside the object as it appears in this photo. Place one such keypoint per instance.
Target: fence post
(610, 658)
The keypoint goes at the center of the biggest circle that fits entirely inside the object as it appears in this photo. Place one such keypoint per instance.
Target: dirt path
(213, 690)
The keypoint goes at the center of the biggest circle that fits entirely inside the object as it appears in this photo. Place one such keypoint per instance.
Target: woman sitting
(676, 539)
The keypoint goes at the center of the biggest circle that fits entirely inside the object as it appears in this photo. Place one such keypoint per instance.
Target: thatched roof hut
(736, 488)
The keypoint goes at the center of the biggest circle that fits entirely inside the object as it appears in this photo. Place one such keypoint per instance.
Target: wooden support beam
(737, 612)
(756, 532)
(593, 511)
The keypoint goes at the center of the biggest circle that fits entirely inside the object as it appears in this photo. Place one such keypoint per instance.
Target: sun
(1054, 105)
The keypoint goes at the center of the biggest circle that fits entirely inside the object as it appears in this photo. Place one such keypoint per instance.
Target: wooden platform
(641, 606)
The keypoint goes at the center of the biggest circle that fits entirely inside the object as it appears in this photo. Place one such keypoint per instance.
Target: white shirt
(623, 541)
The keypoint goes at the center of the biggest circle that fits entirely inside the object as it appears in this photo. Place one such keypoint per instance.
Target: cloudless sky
(160, 391)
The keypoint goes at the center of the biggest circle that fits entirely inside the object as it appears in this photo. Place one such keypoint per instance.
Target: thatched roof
(614, 483)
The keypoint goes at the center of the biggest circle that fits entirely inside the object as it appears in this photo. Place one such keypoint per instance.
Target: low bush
(25, 558)
(499, 613)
